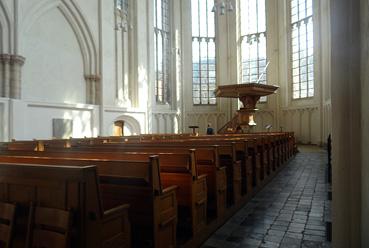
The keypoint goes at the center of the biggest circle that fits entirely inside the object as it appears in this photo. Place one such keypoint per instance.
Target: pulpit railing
(230, 127)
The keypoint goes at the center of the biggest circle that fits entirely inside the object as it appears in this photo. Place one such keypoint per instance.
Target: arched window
(302, 48)
(122, 46)
(122, 5)
(253, 43)
(162, 50)
(203, 52)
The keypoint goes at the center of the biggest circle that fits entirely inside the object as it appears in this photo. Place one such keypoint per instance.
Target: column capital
(95, 78)
(17, 59)
(5, 58)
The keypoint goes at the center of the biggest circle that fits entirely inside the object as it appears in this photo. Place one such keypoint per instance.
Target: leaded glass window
(122, 5)
(162, 50)
(253, 42)
(203, 52)
(302, 48)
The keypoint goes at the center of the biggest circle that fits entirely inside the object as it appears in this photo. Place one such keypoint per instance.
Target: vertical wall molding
(93, 89)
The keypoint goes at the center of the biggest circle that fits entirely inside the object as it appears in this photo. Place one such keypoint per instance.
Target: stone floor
(289, 212)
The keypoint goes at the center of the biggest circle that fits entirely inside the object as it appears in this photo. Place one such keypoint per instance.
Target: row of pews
(169, 190)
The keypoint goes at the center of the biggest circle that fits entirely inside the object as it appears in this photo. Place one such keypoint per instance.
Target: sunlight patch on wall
(81, 123)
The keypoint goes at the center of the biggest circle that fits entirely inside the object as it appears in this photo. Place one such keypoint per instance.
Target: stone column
(16, 64)
(10, 75)
(365, 122)
(346, 126)
(5, 61)
(1, 78)
(93, 89)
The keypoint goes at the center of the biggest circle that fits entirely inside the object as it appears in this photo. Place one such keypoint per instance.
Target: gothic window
(253, 42)
(162, 50)
(302, 48)
(122, 45)
(203, 52)
(122, 5)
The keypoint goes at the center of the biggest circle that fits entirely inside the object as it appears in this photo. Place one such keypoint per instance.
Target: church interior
(184, 123)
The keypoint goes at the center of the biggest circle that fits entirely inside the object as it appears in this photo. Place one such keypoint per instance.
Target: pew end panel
(165, 218)
(199, 204)
(116, 229)
(216, 189)
(60, 187)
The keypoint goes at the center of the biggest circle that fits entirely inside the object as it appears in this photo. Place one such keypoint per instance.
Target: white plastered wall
(65, 42)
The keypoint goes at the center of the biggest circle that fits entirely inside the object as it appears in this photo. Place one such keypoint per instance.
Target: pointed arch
(78, 24)
(5, 30)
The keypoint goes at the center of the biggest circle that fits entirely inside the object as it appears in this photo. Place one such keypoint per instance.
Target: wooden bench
(153, 211)
(268, 152)
(259, 155)
(72, 188)
(238, 152)
(233, 155)
(216, 179)
(226, 156)
(175, 169)
(260, 160)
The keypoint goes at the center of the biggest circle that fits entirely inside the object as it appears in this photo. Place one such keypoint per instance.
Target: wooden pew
(264, 154)
(286, 140)
(263, 167)
(175, 169)
(261, 161)
(226, 156)
(153, 211)
(268, 142)
(66, 188)
(233, 155)
(206, 161)
(231, 151)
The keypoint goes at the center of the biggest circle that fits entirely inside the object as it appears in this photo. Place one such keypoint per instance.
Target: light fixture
(222, 7)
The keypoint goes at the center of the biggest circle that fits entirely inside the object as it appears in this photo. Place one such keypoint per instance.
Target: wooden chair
(7, 213)
(48, 228)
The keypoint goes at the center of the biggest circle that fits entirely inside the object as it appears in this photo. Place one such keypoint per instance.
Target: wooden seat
(7, 213)
(175, 169)
(153, 211)
(64, 187)
(48, 228)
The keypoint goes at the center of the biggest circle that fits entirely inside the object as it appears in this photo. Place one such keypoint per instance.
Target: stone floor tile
(273, 238)
(268, 244)
(250, 242)
(314, 238)
(278, 228)
(311, 244)
(316, 227)
(315, 232)
(289, 242)
(276, 232)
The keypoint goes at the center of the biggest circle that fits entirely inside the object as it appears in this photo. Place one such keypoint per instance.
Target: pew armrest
(116, 230)
(170, 189)
(115, 212)
(202, 176)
